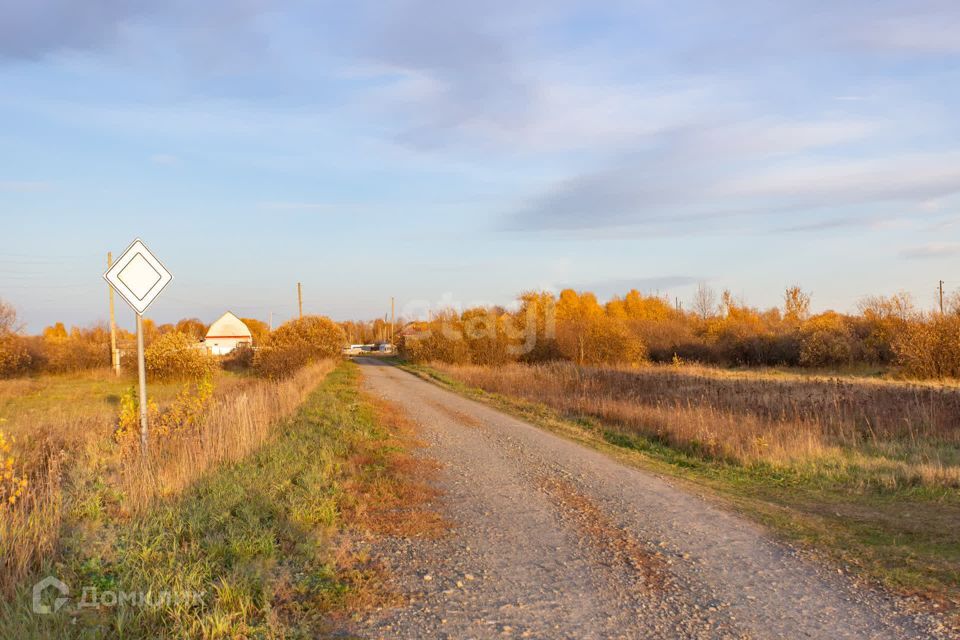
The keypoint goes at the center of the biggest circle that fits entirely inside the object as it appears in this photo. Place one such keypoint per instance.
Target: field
(252, 546)
(866, 471)
(62, 432)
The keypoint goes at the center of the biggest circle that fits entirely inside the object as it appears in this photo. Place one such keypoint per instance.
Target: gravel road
(551, 539)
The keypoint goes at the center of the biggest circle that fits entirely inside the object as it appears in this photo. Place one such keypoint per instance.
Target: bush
(14, 357)
(240, 359)
(440, 340)
(298, 343)
(930, 347)
(827, 341)
(177, 355)
(487, 337)
(76, 350)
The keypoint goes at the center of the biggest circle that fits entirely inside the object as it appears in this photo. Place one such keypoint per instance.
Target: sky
(452, 153)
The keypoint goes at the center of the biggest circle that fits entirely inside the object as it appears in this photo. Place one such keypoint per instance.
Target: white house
(226, 334)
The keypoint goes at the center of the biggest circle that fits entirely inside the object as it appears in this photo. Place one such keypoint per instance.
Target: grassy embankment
(255, 530)
(866, 471)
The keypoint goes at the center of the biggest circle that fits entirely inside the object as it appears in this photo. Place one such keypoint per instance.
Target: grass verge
(907, 538)
(261, 547)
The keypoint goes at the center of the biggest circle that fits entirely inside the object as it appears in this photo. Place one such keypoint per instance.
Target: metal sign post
(142, 375)
(139, 277)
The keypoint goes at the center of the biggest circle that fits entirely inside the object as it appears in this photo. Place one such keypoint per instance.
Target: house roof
(228, 326)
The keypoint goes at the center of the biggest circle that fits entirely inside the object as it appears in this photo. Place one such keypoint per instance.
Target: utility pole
(300, 299)
(391, 320)
(114, 354)
(941, 297)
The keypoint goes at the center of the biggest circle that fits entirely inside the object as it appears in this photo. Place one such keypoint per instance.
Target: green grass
(256, 540)
(906, 538)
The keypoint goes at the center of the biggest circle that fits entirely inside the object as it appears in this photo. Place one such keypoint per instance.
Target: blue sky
(453, 152)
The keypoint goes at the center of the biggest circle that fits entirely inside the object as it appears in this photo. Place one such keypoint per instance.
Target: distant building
(226, 334)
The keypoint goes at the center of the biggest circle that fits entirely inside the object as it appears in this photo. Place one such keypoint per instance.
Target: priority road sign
(138, 276)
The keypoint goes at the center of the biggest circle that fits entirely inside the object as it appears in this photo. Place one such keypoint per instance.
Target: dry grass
(238, 421)
(398, 501)
(881, 501)
(897, 434)
(77, 472)
(276, 543)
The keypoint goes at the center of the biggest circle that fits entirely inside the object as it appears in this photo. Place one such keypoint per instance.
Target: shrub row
(574, 326)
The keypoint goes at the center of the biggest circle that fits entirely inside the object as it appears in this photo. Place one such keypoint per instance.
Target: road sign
(138, 276)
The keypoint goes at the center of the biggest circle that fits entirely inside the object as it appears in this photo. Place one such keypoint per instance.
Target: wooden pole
(300, 298)
(391, 320)
(142, 372)
(114, 353)
(941, 297)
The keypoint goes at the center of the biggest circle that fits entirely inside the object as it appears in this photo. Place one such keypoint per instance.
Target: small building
(226, 334)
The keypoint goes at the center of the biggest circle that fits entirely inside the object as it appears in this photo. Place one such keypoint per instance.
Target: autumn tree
(8, 319)
(192, 327)
(534, 328)
(952, 303)
(485, 330)
(885, 318)
(929, 347)
(14, 356)
(258, 328)
(586, 334)
(704, 301)
(796, 306)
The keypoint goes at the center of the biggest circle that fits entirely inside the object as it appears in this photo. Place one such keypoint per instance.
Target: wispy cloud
(34, 29)
(765, 171)
(924, 27)
(932, 250)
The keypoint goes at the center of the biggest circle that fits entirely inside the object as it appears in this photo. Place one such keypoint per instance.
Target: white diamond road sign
(138, 276)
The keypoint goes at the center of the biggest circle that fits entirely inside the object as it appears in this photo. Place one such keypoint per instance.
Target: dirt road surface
(554, 540)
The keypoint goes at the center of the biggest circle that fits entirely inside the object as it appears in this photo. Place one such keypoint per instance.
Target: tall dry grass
(71, 459)
(232, 427)
(902, 433)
